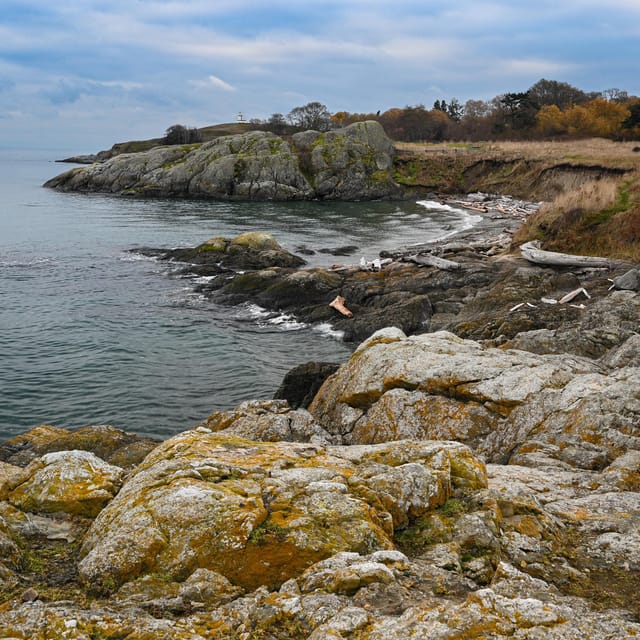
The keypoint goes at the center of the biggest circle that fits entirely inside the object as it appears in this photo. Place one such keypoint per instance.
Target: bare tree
(312, 115)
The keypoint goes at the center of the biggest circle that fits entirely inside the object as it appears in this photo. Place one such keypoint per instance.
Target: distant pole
(240, 118)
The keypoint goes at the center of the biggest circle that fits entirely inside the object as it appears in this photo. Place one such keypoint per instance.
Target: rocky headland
(472, 471)
(353, 163)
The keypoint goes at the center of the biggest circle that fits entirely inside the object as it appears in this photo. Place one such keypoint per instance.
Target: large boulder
(501, 402)
(250, 250)
(353, 163)
(72, 482)
(261, 513)
(115, 446)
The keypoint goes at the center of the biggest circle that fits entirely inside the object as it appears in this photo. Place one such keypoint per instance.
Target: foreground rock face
(505, 403)
(436, 487)
(259, 514)
(218, 535)
(353, 163)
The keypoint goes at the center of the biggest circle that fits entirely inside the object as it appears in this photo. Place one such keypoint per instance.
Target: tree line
(548, 109)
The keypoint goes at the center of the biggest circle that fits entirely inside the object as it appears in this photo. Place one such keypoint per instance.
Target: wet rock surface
(492, 294)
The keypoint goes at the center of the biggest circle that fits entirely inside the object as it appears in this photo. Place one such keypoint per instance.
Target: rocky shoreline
(469, 283)
(472, 472)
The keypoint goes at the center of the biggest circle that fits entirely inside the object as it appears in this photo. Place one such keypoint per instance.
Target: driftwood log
(338, 304)
(429, 260)
(531, 251)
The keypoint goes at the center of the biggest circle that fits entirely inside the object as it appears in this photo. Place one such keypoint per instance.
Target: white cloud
(117, 84)
(218, 83)
(534, 67)
(423, 50)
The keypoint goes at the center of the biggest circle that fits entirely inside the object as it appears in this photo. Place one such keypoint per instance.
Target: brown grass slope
(591, 188)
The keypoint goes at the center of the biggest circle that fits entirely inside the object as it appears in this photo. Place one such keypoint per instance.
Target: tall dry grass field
(601, 217)
(591, 150)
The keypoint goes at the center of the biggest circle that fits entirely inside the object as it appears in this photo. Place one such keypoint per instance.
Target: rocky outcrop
(261, 513)
(249, 251)
(489, 296)
(505, 403)
(353, 163)
(390, 297)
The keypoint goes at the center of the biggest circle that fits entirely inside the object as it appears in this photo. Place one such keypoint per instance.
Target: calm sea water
(91, 333)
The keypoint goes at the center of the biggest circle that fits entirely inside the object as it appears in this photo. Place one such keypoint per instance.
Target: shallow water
(92, 333)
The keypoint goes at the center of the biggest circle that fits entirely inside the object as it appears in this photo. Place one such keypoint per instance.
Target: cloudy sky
(82, 74)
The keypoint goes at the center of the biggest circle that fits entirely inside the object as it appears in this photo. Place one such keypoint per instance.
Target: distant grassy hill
(206, 133)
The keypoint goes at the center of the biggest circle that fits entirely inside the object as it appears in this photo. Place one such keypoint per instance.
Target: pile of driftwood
(492, 204)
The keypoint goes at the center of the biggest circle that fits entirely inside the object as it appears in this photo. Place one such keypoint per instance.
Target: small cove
(93, 333)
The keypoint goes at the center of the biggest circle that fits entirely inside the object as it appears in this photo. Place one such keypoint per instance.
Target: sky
(80, 75)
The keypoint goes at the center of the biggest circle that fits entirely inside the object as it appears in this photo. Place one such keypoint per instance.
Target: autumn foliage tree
(596, 118)
(548, 109)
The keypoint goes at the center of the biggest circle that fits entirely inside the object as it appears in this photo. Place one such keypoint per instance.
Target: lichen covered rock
(74, 482)
(260, 513)
(501, 402)
(268, 421)
(115, 446)
(251, 250)
(353, 163)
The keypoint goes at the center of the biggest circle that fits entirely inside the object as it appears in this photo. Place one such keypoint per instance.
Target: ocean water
(93, 333)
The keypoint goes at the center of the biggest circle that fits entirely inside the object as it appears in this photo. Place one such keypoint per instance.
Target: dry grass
(601, 218)
(590, 151)
(590, 196)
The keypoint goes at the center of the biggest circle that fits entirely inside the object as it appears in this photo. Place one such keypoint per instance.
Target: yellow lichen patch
(527, 525)
(261, 241)
(75, 482)
(218, 244)
(10, 477)
(467, 470)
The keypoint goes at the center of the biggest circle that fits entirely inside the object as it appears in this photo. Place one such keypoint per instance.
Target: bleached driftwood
(429, 260)
(531, 251)
(338, 304)
(374, 265)
(573, 294)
